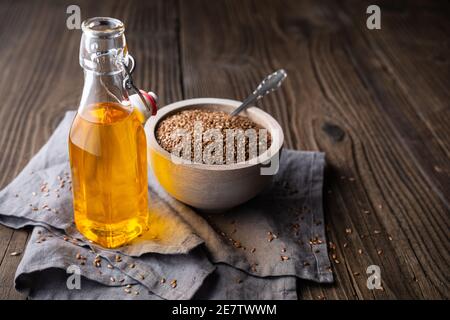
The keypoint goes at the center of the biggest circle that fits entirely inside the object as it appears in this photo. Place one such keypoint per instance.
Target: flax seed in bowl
(221, 182)
(224, 123)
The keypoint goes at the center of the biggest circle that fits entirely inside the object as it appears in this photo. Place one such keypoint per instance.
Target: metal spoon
(269, 84)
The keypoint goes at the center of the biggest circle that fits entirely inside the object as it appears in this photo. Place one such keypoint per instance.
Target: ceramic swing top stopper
(146, 110)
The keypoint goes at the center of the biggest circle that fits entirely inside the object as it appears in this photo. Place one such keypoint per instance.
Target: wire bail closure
(129, 85)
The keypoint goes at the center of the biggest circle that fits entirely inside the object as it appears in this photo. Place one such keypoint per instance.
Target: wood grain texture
(348, 94)
(377, 102)
(41, 79)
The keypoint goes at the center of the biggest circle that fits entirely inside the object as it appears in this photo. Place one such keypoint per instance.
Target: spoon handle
(269, 84)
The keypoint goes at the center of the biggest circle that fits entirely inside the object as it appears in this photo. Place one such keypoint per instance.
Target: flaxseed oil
(107, 147)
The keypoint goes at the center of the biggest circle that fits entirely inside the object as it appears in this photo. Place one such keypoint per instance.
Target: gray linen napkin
(255, 251)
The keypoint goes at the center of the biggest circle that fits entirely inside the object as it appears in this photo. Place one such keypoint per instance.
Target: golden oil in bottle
(107, 148)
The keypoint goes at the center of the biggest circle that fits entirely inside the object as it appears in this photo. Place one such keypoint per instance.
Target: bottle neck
(102, 88)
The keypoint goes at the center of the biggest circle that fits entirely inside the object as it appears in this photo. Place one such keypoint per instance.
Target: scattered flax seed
(112, 279)
(128, 286)
(118, 258)
(284, 258)
(379, 252)
(366, 211)
(127, 290)
(109, 266)
(173, 283)
(321, 297)
(390, 238)
(132, 265)
(380, 206)
(376, 231)
(238, 280)
(78, 256)
(360, 251)
(163, 280)
(332, 245)
(237, 244)
(142, 276)
(15, 253)
(283, 250)
(253, 250)
(345, 244)
(356, 274)
(305, 264)
(315, 240)
(97, 262)
(136, 293)
(271, 237)
(333, 256)
(348, 230)
(33, 193)
(337, 261)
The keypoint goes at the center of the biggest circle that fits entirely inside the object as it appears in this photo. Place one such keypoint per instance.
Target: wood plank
(375, 102)
(41, 78)
(416, 112)
(8, 264)
(374, 182)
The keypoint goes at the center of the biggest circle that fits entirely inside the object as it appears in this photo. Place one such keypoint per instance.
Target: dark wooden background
(377, 102)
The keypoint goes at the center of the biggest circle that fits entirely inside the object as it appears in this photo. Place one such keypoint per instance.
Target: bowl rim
(274, 149)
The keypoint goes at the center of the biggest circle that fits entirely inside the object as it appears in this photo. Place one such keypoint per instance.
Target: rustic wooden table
(376, 101)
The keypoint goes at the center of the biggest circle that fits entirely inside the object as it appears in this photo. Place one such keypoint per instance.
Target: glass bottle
(107, 144)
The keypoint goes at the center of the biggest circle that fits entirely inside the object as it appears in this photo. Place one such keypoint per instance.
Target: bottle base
(112, 235)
